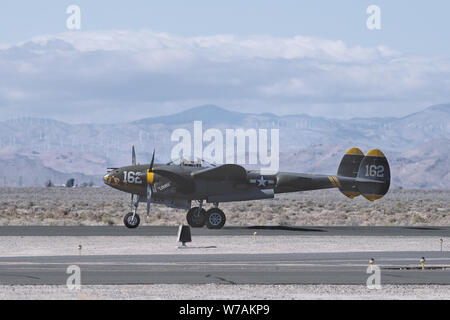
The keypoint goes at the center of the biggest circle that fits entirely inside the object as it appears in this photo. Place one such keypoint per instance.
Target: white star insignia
(261, 182)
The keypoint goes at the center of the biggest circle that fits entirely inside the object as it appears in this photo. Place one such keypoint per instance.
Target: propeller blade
(149, 198)
(133, 156)
(153, 160)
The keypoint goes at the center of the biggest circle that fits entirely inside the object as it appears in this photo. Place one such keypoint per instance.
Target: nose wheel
(131, 220)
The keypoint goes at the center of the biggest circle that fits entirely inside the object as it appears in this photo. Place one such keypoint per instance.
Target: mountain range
(33, 150)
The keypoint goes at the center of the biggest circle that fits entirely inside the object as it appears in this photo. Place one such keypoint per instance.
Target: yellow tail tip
(372, 197)
(350, 194)
(355, 151)
(375, 153)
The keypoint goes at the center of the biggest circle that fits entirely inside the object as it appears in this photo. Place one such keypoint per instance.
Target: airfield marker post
(422, 262)
(371, 262)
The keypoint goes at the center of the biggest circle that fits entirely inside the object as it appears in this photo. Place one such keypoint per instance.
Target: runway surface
(397, 267)
(226, 231)
(299, 268)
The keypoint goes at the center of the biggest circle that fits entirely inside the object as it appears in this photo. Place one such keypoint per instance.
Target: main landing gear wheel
(215, 218)
(131, 222)
(196, 218)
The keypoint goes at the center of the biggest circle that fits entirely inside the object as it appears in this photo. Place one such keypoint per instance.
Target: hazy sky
(134, 59)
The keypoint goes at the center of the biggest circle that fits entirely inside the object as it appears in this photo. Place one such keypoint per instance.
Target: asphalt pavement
(298, 268)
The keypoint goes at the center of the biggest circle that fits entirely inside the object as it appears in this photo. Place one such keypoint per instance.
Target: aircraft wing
(231, 172)
(184, 184)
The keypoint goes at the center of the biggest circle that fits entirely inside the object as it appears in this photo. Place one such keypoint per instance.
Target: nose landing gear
(131, 219)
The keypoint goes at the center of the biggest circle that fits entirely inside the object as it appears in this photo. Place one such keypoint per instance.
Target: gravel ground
(52, 246)
(216, 291)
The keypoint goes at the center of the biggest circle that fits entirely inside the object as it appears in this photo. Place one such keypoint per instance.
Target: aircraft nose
(106, 178)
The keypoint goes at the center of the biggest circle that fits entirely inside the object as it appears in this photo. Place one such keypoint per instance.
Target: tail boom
(293, 182)
(358, 174)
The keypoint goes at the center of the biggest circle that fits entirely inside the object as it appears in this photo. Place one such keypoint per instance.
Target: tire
(215, 218)
(194, 219)
(130, 222)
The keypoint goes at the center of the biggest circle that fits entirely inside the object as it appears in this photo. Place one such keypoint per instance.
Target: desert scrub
(102, 206)
(418, 219)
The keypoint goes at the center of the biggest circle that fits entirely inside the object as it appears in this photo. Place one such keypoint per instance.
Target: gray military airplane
(178, 185)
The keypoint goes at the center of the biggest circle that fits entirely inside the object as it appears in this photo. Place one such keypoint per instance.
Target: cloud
(125, 75)
(221, 47)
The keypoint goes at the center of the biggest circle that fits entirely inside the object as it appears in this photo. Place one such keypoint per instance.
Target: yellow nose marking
(150, 177)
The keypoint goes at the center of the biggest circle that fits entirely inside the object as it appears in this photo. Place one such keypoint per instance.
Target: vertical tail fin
(349, 168)
(374, 175)
(368, 175)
